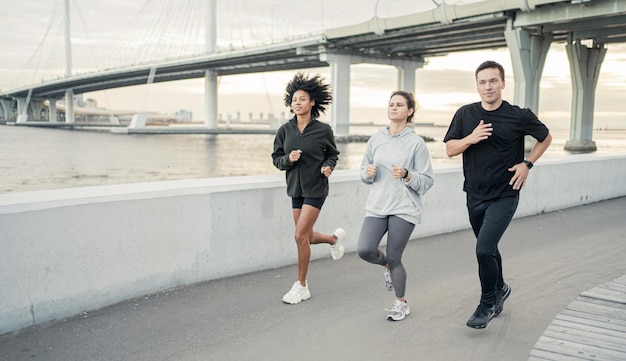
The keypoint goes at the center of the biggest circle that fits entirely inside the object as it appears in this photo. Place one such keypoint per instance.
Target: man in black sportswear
(490, 135)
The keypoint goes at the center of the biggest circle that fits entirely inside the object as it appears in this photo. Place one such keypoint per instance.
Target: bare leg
(322, 238)
(304, 220)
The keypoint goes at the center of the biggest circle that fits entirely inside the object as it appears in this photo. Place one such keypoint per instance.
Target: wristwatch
(528, 163)
(406, 173)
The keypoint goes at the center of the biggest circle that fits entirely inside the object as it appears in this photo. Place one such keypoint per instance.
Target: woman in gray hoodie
(397, 166)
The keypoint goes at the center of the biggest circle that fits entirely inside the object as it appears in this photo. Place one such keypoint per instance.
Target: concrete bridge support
(340, 82)
(30, 110)
(22, 110)
(52, 111)
(138, 121)
(406, 74)
(528, 56)
(210, 76)
(585, 63)
(38, 112)
(210, 100)
(6, 109)
(69, 106)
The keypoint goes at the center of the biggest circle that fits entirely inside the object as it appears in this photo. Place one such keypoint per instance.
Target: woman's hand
(327, 171)
(294, 156)
(398, 172)
(371, 170)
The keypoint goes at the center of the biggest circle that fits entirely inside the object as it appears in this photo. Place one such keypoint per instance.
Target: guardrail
(72, 250)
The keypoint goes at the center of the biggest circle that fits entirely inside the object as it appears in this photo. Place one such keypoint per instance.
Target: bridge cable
(23, 78)
(94, 59)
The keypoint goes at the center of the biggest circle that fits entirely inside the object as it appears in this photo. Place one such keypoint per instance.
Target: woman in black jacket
(305, 149)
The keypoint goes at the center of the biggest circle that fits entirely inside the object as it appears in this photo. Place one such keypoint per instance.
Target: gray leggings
(398, 232)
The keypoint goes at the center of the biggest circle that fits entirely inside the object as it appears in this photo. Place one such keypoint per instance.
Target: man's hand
(518, 181)
(480, 133)
(457, 146)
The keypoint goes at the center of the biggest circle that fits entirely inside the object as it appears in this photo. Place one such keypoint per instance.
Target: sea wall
(67, 251)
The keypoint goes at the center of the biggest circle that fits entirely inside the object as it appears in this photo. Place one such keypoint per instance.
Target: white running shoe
(398, 311)
(297, 293)
(336, 250)
(388, 282)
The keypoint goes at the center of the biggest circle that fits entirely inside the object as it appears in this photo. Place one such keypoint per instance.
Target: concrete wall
(66, 251)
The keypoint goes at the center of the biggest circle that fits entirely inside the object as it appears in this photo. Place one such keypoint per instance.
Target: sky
(115, 32)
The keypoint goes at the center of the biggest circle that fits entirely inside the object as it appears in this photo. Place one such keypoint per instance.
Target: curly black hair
(316, 86)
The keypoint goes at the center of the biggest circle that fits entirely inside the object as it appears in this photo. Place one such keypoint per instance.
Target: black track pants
(489, 220)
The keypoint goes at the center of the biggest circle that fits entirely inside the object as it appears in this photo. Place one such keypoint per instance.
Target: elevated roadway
(525, 27)
(414, 37)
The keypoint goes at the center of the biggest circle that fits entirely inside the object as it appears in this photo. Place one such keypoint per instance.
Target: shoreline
(36, 159)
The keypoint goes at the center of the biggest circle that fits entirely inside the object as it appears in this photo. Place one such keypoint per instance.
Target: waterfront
(42, 158)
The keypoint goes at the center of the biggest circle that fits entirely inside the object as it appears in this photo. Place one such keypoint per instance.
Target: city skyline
(443, 84)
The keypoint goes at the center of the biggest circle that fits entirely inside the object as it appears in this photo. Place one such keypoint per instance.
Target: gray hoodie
(391, 196)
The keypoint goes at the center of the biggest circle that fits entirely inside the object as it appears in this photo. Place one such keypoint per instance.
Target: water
(43, 158)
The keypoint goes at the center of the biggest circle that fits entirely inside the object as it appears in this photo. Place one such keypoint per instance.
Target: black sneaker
(501, 296)
(481, 317)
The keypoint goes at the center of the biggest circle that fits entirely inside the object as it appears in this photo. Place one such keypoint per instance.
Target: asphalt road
(549, 260)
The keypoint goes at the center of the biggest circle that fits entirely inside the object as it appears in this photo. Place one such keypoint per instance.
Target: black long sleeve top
(317, 143)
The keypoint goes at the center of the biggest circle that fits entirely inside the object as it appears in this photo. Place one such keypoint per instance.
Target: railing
(71, 250)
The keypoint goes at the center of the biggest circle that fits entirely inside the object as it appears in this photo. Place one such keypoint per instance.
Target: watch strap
(528, 163)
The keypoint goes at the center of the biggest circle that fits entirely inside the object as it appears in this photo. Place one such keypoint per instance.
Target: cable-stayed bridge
(525, 27)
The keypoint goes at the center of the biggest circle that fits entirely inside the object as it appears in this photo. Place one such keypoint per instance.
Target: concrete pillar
(69, 106)
(22, 110)
(406, 74)
(339, 117)
(210, 99)
(528, 56)
(37, 106)
(585, 63)
(53, 111)
(6, 109)
(210, 76)
(138, 121)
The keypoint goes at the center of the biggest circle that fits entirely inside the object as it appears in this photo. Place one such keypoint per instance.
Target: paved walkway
(549, 260)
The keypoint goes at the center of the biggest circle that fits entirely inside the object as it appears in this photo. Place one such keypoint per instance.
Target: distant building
(78, 100)
(184, 115)
(91, 103)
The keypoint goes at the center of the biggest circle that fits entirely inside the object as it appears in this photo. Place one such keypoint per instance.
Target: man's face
(489, 85)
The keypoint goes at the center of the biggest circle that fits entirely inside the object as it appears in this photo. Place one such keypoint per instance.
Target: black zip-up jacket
(317, 143)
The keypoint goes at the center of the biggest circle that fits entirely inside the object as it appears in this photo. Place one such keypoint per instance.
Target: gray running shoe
(388, 282)
(399, 310)
(481, 316)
